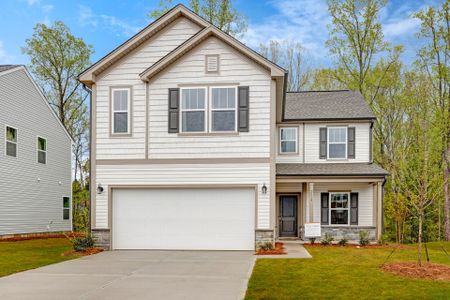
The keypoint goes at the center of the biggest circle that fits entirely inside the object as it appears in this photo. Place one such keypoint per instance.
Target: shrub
(343, 241)
(312, 240)
(364, 238)
(265, 246)
(327, 239)
(83, 243)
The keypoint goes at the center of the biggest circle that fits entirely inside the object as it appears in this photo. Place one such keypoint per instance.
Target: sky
(105, 24)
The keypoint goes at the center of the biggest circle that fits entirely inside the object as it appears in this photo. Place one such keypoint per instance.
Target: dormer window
(212, 63)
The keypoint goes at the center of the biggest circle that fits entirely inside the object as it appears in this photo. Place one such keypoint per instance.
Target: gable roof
(331, 169)
(16, 68)
(326, 105)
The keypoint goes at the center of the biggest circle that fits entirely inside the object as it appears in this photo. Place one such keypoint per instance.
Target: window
(288, 140)
(11, 141)
(339, 208)
(223, 109)
(337, 142)
(121, 111)
(41, 150)
(193, 109)
(66, 208)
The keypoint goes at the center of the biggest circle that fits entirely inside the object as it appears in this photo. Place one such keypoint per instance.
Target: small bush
(364, 238)
(312, 240)
(83, 243)
(265, 246)
(327, 239)
(343, 241)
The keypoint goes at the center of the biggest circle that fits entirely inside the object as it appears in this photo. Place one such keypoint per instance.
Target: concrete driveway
(137, 275)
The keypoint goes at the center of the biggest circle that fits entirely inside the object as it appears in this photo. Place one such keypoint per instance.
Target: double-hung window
(339, 208)
(66, 208)
(337, 142)
(193, 110)
(223, 109)
(121, 110)
(11, 141)
(288, 140)
(41, 150)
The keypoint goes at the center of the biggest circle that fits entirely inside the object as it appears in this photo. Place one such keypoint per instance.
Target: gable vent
(212, 63)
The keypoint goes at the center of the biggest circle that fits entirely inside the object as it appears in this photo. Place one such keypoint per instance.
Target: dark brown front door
(288, 215)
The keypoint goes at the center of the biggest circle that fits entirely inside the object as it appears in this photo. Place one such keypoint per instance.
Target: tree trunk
(446, 204)
(419, 242)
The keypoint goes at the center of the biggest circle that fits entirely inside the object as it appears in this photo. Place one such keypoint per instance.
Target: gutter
(90, 150)
(283, 105)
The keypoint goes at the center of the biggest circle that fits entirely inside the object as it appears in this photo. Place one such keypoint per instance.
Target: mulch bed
(86, 252)
(411, 269)
(277, 250)
(40, 237)
(371, 246)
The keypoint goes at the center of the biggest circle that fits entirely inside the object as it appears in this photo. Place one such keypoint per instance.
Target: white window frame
(205, 129)
(281, 140)
(16, 143)
(337, 143)
(340, 208)
(37, 149)
(128, 111)
(210, 111)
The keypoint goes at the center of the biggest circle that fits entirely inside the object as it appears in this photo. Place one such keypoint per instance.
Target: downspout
(382, 204)
(371, 142)
(90, 151)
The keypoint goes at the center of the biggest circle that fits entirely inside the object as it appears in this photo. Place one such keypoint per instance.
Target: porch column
(379, 210)
(311, 202)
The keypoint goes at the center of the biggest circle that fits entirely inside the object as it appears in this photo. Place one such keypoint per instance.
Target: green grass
(345, 273)
(24, 255)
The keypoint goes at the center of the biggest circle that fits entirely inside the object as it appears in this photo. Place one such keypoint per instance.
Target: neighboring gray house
(197, 145)
(35, 159)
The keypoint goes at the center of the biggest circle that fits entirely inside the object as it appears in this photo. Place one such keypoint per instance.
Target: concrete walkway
(137, 275)
(293, 250)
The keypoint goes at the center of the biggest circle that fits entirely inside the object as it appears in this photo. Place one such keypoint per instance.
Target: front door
(288, 215)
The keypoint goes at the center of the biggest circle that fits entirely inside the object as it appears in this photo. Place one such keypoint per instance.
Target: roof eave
(329, 119)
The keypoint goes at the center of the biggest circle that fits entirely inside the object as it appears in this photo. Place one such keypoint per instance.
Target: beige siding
(235, 69)
(184, 174)
(294, 157)
(126, 72)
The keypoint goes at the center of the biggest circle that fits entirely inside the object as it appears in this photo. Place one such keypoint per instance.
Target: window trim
(16, 143)
(280, 151)
(205, 129)
(66, 208)
(330, 209)
(211, 109)
(37, 149)
(337, 143)
(112, 110)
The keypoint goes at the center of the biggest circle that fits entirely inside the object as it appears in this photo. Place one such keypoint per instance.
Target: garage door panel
(207, 219)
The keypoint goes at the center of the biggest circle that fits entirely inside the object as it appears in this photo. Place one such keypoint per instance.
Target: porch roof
(331, 169)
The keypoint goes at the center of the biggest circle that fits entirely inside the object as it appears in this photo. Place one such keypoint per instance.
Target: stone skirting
(102, 238)
(351, 233)
(263, 235)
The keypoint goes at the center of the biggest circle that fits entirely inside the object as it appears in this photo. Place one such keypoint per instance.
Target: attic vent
(212, 63)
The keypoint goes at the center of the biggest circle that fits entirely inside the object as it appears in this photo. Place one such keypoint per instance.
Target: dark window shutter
(243, 108)
(324, 208)
(353, 208)
(323, 143)
(351, 142)
(174, 104)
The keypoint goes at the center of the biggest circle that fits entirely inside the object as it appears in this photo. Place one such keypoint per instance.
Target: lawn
(345, 273)
(24, 255)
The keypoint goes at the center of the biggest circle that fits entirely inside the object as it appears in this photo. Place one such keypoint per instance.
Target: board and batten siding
(31, 194)
(236, 70)
(126, 73)
(184, 175)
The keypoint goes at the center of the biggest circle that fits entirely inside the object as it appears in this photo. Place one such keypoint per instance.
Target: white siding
(365, 200)
(184, 174)
(126, 72)
(28, 205)
(190, 69)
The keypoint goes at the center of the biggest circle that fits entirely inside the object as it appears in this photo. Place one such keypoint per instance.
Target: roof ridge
(319, 91)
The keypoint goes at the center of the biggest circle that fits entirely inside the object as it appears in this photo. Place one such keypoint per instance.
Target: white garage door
(189, 219)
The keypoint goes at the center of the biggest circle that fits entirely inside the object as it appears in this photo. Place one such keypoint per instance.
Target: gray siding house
(35, 159)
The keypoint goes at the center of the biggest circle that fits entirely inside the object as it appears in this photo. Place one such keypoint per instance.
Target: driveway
(137, 275)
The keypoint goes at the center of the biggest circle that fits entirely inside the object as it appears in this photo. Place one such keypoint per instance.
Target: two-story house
(35, 159)
(197, 145)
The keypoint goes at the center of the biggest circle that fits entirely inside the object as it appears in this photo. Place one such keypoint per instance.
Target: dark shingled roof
(331, 169)
(326, 105)
(7, 67)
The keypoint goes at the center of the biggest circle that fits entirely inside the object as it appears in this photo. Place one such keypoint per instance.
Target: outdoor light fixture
(264, 189)
(99, 188)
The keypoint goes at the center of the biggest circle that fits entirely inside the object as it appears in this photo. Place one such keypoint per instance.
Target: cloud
(5, 58)
(86, 17)
(47, 8)
(33, 2)
(399, 27)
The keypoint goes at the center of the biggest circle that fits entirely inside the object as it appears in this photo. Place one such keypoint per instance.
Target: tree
(220, 13)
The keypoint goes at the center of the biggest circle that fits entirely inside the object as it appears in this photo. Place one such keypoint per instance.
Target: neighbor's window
(193, 109)
(121, 111)
(337, 142)
(223, 108)
(339, 208)
(41, 150)
(288, 140)
(66, 208)
(11, 141)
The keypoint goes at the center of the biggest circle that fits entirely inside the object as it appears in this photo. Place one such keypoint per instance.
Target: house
(197, 145)
(35, 159)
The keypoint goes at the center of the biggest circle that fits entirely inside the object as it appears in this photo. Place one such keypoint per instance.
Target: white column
(311, 202)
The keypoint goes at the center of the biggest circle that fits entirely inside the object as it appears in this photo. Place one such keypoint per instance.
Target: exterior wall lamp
(99, 188)
(264, 189)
